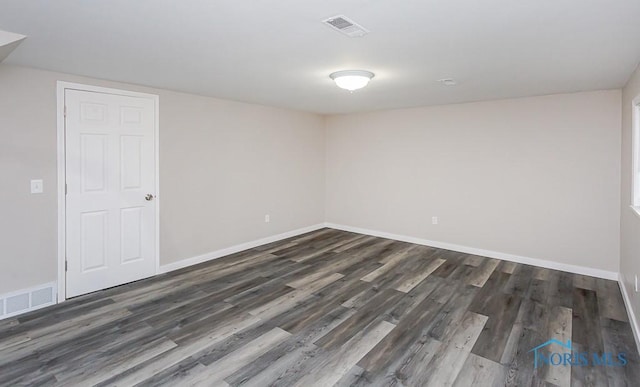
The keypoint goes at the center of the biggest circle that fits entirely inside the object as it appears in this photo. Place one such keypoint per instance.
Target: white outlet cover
(36, 186)
(267, 218)
(434, 220)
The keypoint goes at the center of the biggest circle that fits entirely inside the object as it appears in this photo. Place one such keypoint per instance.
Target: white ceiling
(8, 42)
(279, 53)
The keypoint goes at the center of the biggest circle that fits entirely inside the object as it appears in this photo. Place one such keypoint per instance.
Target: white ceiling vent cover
(346, 26)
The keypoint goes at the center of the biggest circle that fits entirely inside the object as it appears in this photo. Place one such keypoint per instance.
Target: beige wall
(535, 177)
(630, 222)
(223, 166)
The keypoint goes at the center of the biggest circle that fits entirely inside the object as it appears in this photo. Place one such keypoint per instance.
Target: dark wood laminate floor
(327, 308)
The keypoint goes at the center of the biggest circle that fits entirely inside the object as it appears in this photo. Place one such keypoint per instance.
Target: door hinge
(66, 265)
(65, 110)
(65, 188)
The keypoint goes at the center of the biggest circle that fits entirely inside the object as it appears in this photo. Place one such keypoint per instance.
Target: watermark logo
(567, 356)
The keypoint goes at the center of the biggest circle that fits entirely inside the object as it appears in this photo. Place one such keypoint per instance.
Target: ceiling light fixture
(352, 79)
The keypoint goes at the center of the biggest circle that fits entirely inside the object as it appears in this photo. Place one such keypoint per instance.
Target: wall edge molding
(236, 248)
(609, 275)
(635, 327)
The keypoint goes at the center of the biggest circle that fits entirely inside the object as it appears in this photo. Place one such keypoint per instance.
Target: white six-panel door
(111, 181)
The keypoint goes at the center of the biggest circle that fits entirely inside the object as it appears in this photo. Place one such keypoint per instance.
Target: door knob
(149, 197)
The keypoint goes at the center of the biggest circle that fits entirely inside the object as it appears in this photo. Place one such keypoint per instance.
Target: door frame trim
(61, 153)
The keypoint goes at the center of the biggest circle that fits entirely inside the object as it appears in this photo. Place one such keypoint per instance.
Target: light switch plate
(36, 186)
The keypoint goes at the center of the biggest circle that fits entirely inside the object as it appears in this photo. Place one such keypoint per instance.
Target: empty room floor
(328, 308)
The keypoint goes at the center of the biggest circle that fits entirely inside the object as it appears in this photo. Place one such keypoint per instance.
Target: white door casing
(110, 169)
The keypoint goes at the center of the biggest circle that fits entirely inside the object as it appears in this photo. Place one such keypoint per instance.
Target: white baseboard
(234, 249)
(630, 312)
(26, 300)
(610, 275)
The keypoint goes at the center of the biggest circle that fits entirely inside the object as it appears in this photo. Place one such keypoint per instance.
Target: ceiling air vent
(346, 26)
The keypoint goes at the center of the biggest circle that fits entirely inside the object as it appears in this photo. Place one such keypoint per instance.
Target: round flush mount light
(352, 79)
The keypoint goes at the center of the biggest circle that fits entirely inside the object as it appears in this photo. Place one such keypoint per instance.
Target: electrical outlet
(36, 186)
(267, 219)
(434, 220)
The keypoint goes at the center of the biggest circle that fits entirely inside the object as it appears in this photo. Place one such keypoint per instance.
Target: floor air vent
(26, 300)
(346, 26)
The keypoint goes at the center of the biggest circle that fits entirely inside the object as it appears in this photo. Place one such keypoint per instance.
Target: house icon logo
(537, 353)
(567, 356)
